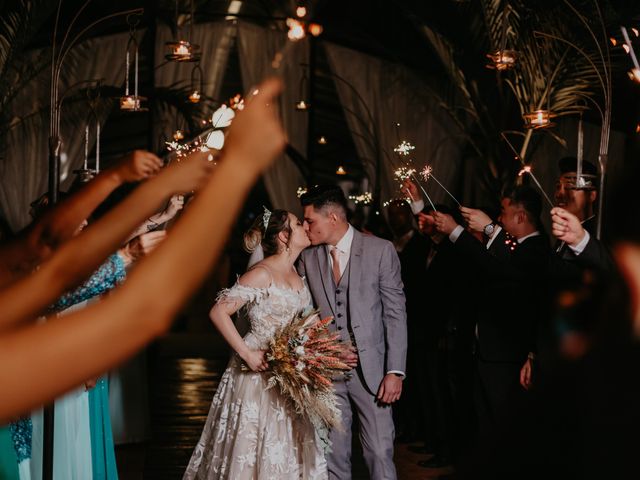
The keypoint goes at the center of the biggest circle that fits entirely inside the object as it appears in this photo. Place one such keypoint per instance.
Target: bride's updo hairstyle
(267, 237)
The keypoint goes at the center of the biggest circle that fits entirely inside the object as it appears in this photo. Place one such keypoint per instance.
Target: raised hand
(256, 135)
(188, 174)
(566, 227)
(444, 223)
(176, 203)
(138, 165)
(426, 223)
(142, 245)
(411, 189)
(476, 219)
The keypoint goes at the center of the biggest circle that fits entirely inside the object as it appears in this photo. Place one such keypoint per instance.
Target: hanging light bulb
(341, 171)
(322, 140)
(131, 101)
(301, 11)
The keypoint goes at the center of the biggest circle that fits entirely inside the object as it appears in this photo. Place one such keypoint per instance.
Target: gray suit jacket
(376, 302)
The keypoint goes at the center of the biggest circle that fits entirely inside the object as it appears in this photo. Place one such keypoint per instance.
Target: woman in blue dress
(82, 431)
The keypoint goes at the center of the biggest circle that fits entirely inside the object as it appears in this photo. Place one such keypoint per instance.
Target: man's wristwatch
(489, 229)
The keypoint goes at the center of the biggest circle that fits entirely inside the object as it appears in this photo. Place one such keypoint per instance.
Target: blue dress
(8, 457)
(77, 412)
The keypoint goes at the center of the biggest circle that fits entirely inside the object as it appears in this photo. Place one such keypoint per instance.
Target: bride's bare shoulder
(257, 277)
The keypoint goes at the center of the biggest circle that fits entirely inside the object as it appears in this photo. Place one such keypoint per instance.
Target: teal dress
(68, 445)
(8, 458)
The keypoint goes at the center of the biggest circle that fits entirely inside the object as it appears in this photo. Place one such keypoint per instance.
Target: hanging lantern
(538, 119)
(131, 101)
(196, 84)
(86, 174)
(183, 50)
(302, 104)
(503, 59)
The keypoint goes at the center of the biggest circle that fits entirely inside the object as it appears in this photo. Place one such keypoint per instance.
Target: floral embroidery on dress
(251, 431)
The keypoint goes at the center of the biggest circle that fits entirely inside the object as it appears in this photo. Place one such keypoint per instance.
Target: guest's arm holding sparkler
(176, 203)
(588, 251)
(57, 355)
(84, 253)
(60, 223)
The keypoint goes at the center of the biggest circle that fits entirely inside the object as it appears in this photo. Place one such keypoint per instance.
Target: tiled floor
(181, 389)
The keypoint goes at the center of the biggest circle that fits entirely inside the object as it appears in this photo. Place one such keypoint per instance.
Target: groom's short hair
(323, 196)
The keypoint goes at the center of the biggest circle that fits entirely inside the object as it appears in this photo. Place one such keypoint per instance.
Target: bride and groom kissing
(251, 431)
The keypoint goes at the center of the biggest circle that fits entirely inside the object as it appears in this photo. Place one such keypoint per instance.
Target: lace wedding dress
(251, 431)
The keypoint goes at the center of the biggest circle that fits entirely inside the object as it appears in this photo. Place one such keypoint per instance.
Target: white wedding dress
(251, 431)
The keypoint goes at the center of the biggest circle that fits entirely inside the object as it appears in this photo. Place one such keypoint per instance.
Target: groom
(355, 278)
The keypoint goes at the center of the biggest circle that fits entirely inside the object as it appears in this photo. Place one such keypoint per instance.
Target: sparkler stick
(427, 173)
(527, 169)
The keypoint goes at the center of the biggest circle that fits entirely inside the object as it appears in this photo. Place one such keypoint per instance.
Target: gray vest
(341, 320)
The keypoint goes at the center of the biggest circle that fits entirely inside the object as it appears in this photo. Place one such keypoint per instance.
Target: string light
(365, 199)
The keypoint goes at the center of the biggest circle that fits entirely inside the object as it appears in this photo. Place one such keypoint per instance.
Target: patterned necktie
(336, 265)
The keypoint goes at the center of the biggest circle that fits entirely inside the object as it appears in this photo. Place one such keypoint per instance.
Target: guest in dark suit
(577, 197)
(412, 248)
(510, 293)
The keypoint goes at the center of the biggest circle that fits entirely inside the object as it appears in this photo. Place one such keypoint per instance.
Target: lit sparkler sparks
(404, 173)
(427, 173)
(404, 148)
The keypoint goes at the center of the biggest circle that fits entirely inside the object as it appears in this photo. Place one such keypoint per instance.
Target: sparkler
(527, 169)
(427, 173)
(404, 148)
(407, 173)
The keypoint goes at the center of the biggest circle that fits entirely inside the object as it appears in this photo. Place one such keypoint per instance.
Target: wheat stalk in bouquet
(304, 357)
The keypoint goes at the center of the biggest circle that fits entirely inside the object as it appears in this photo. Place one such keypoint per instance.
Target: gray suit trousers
(376, 433)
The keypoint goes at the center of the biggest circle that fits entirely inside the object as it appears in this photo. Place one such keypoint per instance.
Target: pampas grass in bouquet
(304, 357)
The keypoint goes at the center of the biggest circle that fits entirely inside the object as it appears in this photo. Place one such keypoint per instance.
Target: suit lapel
(325, 276)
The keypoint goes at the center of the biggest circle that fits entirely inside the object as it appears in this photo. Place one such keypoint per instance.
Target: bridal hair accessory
(265, 217)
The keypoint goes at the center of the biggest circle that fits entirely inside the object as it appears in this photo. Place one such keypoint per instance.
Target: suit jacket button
(333, 321)
(339, 315)
(339, 328)
(339, 303)
(338, 292)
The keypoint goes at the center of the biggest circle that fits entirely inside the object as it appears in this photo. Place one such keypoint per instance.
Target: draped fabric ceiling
(383, 103)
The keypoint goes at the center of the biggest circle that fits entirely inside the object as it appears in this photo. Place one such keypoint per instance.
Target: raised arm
(59, 223)
(60, 354)
(80, 256)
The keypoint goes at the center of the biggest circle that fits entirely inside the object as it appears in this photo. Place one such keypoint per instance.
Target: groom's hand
(390, 389)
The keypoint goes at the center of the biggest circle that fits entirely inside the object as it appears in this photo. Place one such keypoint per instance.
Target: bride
(251, 431)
